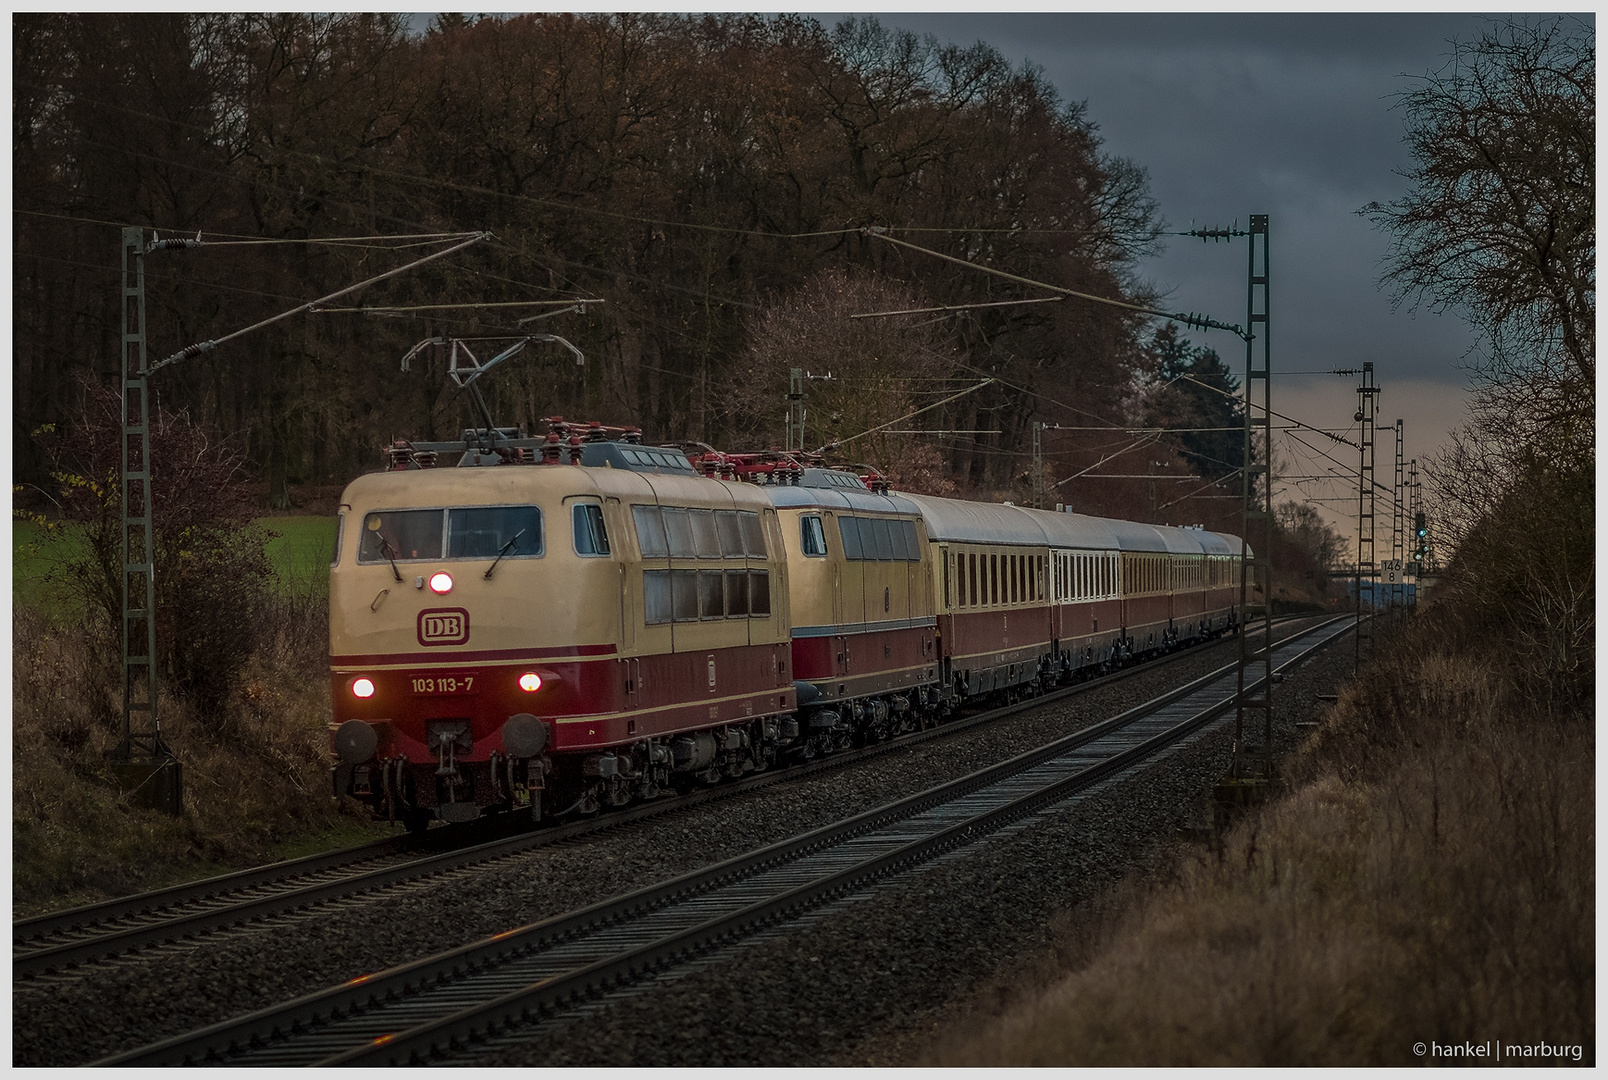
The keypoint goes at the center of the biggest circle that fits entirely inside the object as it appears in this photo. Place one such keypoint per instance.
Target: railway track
(63, 940)
(492, 992)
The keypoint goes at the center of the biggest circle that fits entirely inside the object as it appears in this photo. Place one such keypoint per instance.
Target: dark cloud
(1289, 115)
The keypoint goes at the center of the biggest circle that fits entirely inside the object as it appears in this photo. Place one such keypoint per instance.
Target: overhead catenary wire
(207, 346)
(1188, 319)
(839, 442)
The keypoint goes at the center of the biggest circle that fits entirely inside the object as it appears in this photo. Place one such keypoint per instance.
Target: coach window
(591, 538)
(971, 558)
(812, 536)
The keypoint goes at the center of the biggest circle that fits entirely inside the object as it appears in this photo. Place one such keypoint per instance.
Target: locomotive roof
(523, 483)
(657, 459)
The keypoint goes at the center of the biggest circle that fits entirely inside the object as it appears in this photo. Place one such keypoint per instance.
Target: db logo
(443, 626)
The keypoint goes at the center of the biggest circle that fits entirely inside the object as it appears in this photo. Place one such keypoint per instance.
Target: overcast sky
(1288, 115)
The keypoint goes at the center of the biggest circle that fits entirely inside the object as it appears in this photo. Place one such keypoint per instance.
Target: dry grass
(254, 776)
(1429, 877)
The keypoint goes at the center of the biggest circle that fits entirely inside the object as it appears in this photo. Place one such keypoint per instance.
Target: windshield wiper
(388, 551)
(503, 552)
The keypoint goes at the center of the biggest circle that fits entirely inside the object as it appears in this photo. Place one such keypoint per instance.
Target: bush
(255, 770)
(1429, 877)
(213, 577)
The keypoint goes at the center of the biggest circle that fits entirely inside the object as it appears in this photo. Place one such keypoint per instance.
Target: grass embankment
(255, 777)
(1427, 879)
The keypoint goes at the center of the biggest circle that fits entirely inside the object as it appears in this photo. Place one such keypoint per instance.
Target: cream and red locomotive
(525, 634)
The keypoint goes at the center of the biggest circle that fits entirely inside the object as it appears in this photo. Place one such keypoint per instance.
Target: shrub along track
(493, 992)
(65, 1019)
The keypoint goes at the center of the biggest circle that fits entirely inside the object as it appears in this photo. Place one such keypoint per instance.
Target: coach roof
(977, 523)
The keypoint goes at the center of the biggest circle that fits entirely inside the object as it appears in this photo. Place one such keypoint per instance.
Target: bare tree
(1499, 224)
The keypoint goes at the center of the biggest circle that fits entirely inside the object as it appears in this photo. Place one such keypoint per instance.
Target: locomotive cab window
(473, 532)
(400, 535)
(591, 538)
(812, 537)
(485, 532)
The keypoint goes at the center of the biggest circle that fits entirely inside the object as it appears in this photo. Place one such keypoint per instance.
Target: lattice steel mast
(142, 737)
(1255, 691)
(1367, 404)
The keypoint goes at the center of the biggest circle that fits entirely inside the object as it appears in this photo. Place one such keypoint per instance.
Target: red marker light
(530, 682)
(363, 688)
(441, 583)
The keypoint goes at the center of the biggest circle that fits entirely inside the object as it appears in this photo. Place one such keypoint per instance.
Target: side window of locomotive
(711, 594)
(754, 534)
(399, 535)
(656, 606)
(678, 529)
(684, 595)
(485, 532)
(705, 537)
(591, 538)
(849, 527)
(731, 534)
(650, 532)
(889, 546)
(759, 594)
(811, 534)
(736, 593)
(340, 531)
(912, 540)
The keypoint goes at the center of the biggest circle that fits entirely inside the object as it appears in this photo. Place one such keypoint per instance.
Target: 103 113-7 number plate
(446, 682)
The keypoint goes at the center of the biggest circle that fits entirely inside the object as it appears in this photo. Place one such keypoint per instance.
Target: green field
(299, 553)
